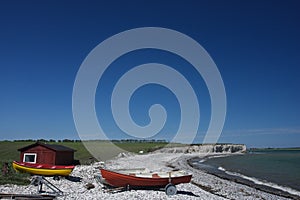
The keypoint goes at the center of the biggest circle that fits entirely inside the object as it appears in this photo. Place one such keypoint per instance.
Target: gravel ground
(202, 186)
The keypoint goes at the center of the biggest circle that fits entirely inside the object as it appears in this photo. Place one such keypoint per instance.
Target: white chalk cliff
(206, 148)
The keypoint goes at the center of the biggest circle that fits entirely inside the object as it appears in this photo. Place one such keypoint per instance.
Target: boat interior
(146, 173)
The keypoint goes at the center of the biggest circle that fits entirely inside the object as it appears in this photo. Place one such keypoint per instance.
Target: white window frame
(30, 154)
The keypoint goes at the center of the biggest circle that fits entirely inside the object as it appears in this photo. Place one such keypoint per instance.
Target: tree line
(114, 141)
(45, 140)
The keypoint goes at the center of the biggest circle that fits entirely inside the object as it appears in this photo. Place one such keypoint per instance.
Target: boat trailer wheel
(170, 189)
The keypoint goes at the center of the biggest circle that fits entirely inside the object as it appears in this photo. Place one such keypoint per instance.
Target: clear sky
(255, 45)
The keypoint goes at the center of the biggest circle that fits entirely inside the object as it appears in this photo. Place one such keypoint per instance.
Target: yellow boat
(43, 169)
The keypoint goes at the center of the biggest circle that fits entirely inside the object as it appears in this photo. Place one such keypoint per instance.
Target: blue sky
(255, 45)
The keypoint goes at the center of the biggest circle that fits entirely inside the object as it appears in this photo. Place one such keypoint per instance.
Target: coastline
(202, 186)
(252, 182)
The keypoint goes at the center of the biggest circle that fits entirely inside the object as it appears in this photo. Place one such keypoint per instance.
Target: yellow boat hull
(43, 172)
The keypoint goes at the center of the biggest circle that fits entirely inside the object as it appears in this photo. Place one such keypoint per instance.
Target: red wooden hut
(47, 154)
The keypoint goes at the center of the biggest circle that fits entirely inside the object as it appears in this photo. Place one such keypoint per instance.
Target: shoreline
(203, 185)
(252, 182)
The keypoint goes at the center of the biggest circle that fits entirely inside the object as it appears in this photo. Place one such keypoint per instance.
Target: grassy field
(9, 152)
(9, 149)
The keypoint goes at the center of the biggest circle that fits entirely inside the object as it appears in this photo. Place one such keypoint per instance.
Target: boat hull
(116, 179)
(44, 170)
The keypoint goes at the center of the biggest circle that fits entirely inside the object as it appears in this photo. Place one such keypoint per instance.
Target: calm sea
(279, 169)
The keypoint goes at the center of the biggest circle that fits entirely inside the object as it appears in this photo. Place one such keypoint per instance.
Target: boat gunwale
(44, 166)
(184, 173)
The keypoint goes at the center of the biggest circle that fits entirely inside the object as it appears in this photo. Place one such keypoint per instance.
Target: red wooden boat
(139, 178)
(43, 169)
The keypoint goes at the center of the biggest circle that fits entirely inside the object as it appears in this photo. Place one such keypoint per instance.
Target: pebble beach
(82, 183)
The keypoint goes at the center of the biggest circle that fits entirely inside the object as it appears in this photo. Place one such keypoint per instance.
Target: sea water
(279, 169)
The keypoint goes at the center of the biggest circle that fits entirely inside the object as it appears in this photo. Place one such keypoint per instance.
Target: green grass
(9, 149)
(85, 157)
(140, 146)
(8, 153)
(13, 177)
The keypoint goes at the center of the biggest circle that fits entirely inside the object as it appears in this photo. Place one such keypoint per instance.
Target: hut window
(29, 157)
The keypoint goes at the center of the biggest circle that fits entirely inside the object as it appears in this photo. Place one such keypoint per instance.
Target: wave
(209, 157)
(256, 153)
(220, 156)
(221, 169)
(261, 182)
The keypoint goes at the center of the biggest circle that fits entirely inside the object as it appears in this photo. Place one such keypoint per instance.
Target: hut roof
(54, 147)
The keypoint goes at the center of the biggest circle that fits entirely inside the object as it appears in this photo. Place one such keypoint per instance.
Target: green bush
(13, 177)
